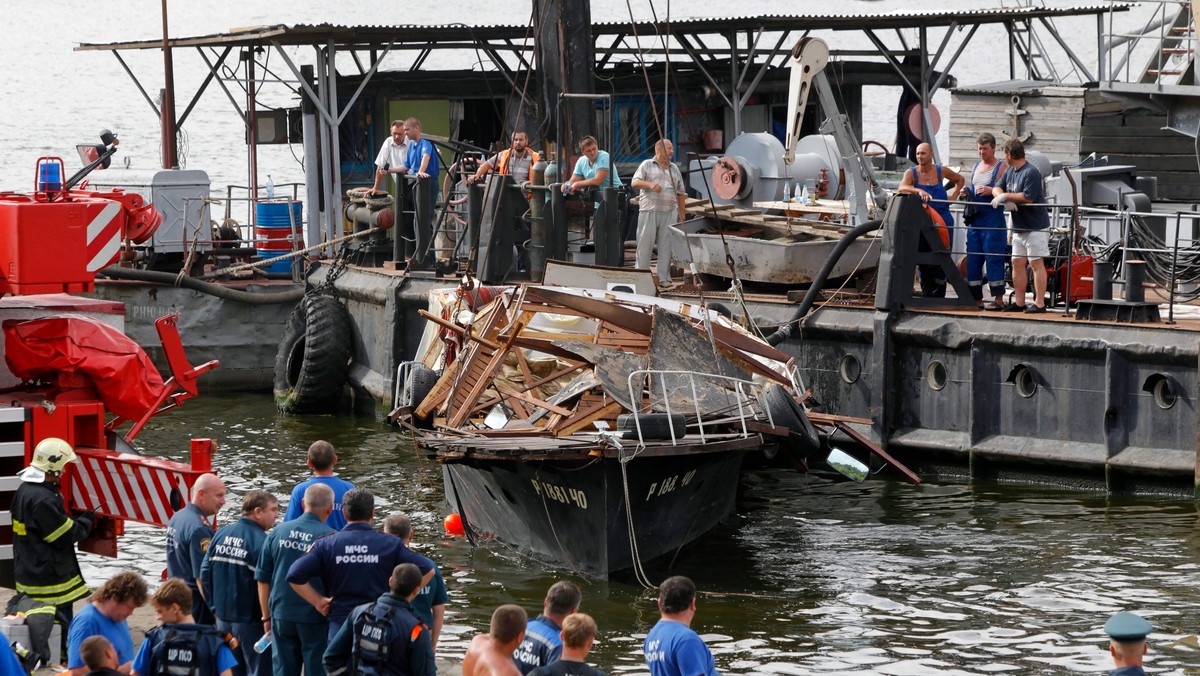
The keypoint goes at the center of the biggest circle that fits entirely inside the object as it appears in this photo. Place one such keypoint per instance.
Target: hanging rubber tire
(721, 309)
(787, 412)
(417, 386)
(655, 426)
(314, 356)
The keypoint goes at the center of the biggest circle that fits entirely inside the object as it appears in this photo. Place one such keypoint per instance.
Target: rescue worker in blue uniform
(44, 536)
(299, 633)
(188, 536)
(543, 643)
(227, 578)
(430, 603)
(1127, 646)
(179, 645)
(353, 564)
(384, 637)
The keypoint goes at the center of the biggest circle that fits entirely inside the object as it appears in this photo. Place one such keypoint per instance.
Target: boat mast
(170, 151)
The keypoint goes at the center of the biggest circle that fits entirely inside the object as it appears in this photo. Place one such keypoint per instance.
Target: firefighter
(384, 637)
(44, 535)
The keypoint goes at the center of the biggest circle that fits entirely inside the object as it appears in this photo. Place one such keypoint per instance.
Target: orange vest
(502, 167)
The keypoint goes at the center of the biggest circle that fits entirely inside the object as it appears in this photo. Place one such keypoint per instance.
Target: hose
(784, 332)
(172, 279)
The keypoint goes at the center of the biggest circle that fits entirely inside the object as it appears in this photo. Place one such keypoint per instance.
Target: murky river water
(810, 577)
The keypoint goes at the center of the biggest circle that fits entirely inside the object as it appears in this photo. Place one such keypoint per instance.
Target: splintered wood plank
(584, 419)
(620, 315)
(441, 390)
(484, 380)
(554, 376)
(532, 400)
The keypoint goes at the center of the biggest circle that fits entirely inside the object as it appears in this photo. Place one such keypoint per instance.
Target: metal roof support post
(312, 180)
(363, 85)
(953, 59)
(251, 135)
(328, 129)
(1053, 31)
(212, 68)
(212, 73)
(735, 100)
(926, 121)
(137, 83)
(1012, 47)
(335, 157)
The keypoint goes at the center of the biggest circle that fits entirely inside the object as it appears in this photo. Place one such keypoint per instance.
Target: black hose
(172, 279)
(782, 333)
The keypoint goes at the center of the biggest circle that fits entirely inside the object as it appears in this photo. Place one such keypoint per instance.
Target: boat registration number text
(669, 484)
(567, 496)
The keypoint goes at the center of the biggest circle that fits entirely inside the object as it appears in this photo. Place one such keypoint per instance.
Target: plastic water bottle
(787, 192)
(270, 188)
(803, 190)
(263, 643)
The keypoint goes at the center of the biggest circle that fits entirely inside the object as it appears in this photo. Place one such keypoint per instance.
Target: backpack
(375, 629)
(184, 650)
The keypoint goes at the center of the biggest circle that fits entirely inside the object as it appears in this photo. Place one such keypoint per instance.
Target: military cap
(1127, 628)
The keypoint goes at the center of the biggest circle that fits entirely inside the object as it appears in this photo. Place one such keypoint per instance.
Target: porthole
(1025, 382)
(1164, 393)
(849, 369)
(935, 375)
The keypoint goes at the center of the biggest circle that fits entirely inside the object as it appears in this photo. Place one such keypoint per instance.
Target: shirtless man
(491, 654)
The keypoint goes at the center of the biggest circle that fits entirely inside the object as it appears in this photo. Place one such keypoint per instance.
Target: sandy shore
(143, 619)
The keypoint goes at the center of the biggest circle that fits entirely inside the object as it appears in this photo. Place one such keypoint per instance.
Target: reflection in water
(810, 576)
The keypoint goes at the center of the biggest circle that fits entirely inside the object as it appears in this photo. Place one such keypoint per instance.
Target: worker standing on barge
(188, 536)
(925, 180)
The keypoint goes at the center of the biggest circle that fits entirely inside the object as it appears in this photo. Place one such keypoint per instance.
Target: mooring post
(606, 232)
(556, 228)
(537, 225)
(422, 219)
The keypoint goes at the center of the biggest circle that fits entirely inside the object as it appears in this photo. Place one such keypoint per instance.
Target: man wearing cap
(1128, 645)
(44, 535)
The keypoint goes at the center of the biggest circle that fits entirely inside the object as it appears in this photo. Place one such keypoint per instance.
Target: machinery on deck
(70, 372)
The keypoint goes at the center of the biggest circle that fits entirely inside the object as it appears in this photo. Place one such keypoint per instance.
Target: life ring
(787, 412)
(939, 225)
(314, 356)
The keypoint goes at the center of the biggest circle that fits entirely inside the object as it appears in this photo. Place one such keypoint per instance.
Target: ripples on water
(809, 577)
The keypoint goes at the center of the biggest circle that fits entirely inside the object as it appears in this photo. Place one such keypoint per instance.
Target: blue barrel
(273, 232)
(50, 176)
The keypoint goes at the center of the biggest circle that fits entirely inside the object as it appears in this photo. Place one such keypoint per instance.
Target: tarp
(73, 351)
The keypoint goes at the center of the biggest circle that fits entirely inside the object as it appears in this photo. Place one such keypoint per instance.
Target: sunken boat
(597, 430)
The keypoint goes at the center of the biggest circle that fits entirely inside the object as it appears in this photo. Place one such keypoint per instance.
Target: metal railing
(741, 390)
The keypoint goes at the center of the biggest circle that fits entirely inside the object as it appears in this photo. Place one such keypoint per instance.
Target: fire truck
(69, 371)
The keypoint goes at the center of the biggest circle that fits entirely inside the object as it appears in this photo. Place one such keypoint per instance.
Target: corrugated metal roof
(453, 35)
(1009, 87)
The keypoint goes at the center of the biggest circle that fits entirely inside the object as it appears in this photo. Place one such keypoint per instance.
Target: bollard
(1102, 280)
(537, 225)
(474, 216)
(422, 221)
(1135, 275)
(606, 232)
(556, 226)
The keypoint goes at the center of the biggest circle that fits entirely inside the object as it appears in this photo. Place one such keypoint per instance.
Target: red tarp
(74, 351)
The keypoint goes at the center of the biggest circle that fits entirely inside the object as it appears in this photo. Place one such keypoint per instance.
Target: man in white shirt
(392, 155)
(662, 204)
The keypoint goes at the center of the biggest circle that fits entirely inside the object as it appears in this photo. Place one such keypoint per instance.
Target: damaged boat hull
(574, 513)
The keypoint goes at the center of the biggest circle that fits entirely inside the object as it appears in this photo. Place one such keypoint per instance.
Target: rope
(638, 570)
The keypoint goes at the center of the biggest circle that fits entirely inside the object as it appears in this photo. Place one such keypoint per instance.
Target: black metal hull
(573, 513)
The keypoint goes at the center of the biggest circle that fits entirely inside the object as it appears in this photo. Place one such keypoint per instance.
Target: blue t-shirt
(673, 649)
(91, 622)
(336, 520)
(9, 664)
(419, 149)
(586, 169)
(141, 663)
(432, 594)
(289, 541)
(354, 564)
(188, 535)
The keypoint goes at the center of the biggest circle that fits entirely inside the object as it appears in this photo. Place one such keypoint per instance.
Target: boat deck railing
(1167, 241)
(740, 389)
(1163, 48)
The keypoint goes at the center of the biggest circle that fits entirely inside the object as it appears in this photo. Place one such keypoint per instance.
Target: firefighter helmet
(52, 455)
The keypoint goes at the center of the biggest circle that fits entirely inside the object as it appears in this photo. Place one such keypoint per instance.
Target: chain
(336, 269)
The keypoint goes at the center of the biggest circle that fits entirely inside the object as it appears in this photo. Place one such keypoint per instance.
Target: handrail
(740, 386)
